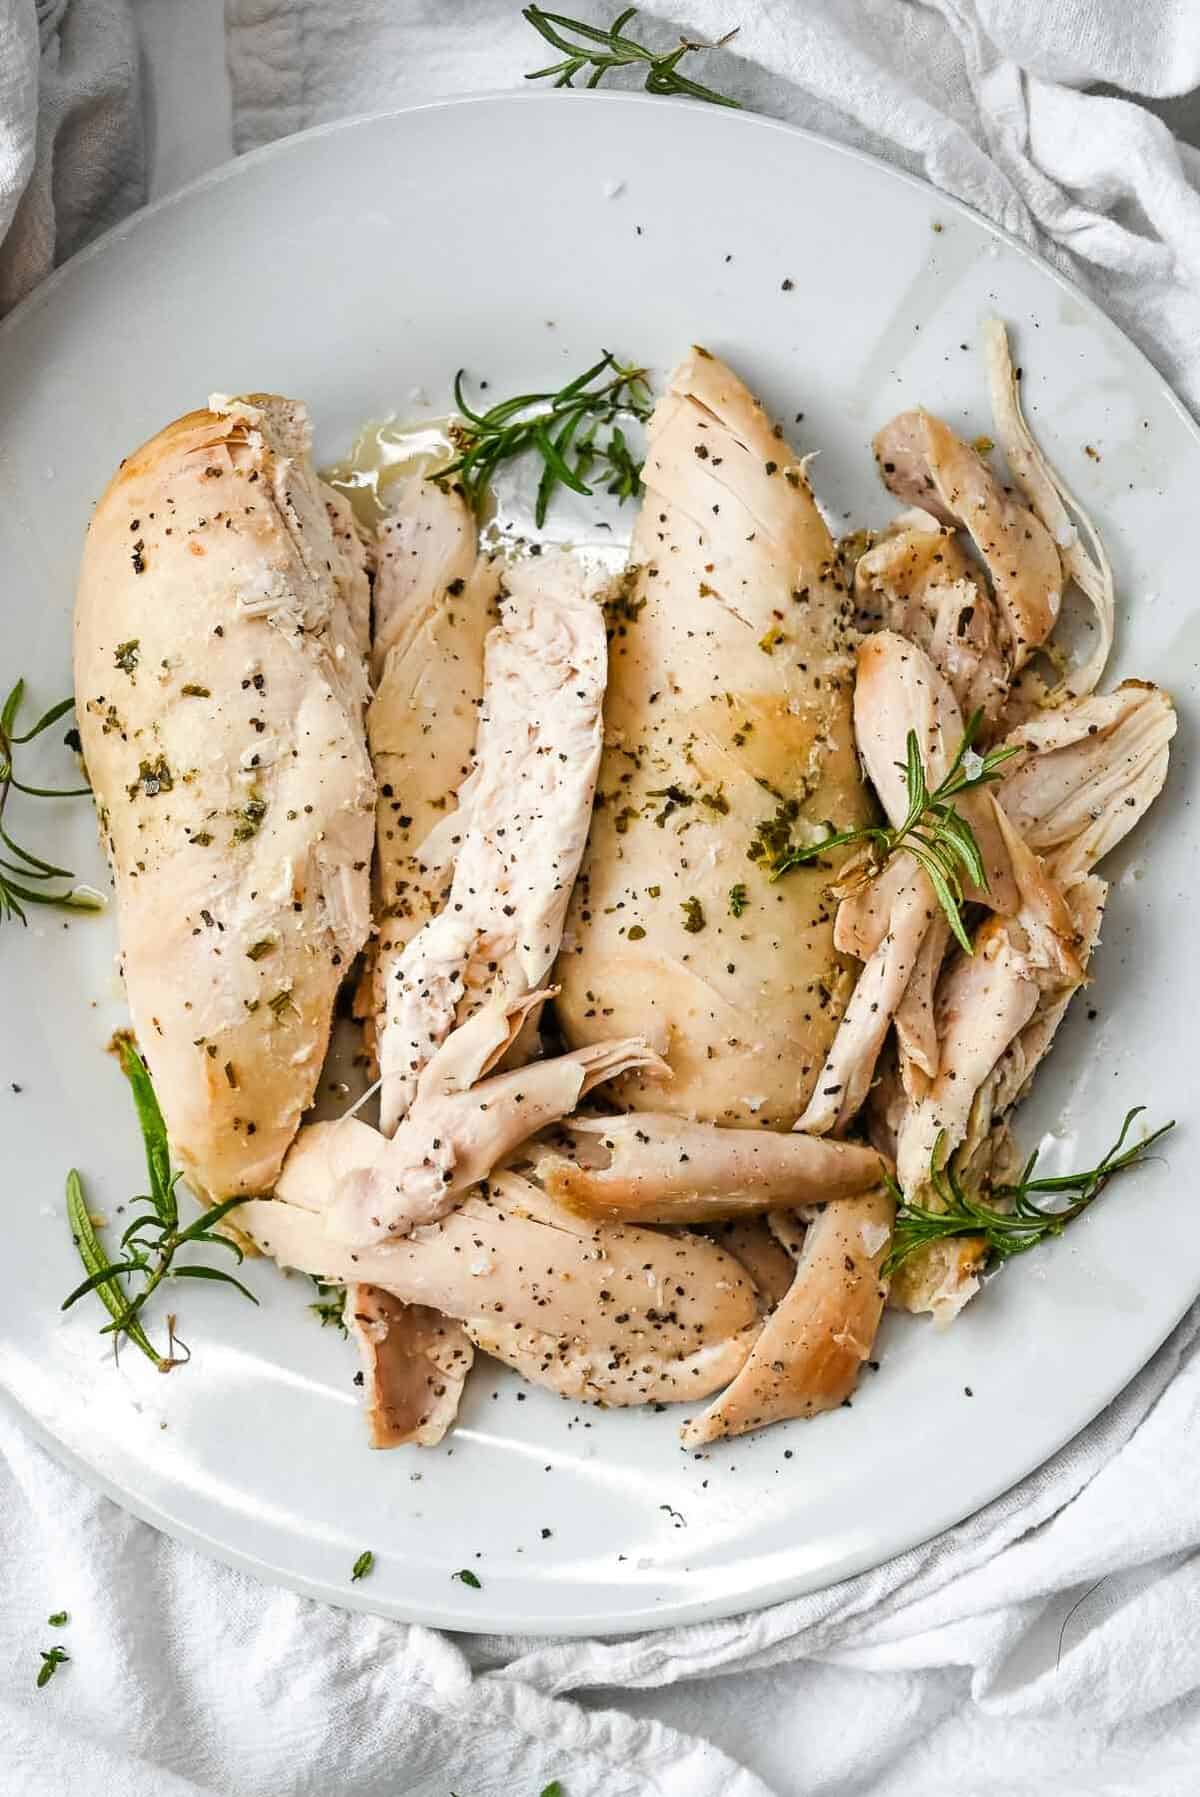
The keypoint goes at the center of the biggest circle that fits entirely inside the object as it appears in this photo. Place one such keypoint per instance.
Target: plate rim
(478, 1619)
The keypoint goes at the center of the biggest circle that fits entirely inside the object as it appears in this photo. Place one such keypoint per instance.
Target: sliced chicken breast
(727, 732)
(435, 600)
(220, 677)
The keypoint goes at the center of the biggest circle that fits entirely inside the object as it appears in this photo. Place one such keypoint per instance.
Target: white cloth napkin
(1048, 1645)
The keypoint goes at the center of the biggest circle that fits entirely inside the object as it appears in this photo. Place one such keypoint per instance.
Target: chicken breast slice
(917, 581)
(663, 1169)
(601, 1312)
(378, 1187)
(434, 603)
(435, 599)
(220, 677)
(808, 1357)
(925, 464)
(467, 979)
(727, 731)
(770, 1266)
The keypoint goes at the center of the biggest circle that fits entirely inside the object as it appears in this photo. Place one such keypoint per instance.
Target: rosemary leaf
(1009, 1220)
(937, 836)
(569, 432)
(17, 873)
(604, 49)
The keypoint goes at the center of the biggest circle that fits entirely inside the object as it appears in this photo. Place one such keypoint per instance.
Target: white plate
(516, 235)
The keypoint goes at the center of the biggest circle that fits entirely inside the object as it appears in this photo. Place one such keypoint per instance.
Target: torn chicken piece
(923, 463)
(663, 1169)
(415, 1365)
(435, 600)
(905, 906)
(983, 1001)
(917, 581)
(1094, 767)
(751, 1241)
(1010, 1078)
(601, 1312)
(221, 682)
(379, 1187)
(1054, 504)
(478, 964)
(727, 735)
(812, 1346)
(887, 921)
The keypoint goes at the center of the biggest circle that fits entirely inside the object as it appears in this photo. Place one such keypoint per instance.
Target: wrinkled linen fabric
(1046, 1645)
(71, 140)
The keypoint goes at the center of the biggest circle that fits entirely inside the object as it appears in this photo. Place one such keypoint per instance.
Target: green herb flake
(153, 778)
(693, 916)
(604, 49)
(52, 1659)
(467, 1577)
(737, 900)
(362, 1566)
(635, 932)
(58, 1620)
(677, 800)
(151, 1240)
(769, 642)
(250, 818)
(716, 802)
(282, 1003)
(192, 691)
(127, 655)
(265, 945)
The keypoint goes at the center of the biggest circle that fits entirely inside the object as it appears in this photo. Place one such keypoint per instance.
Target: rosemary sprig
(18, 866)
(605, 48)
(1013, 1222)
(572, 431)
(151, 1241)
(933, 832)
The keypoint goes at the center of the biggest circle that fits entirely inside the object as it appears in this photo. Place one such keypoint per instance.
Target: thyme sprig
(933, 832)
(18, 866)
(573, 431)
(152, 1240)
(1011, 1221)
(605, 48)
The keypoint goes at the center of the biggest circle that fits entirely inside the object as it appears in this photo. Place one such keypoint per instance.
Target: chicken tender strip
(380, 1187)
(663, 1169)
(923, 463)
(600, 1312)
(812, 1346)
(527, 809)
